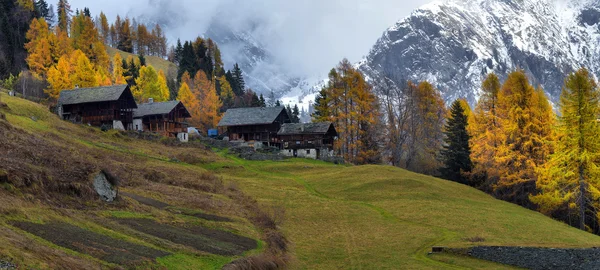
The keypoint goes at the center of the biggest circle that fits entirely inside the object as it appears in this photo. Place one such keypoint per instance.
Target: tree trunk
(581, 199)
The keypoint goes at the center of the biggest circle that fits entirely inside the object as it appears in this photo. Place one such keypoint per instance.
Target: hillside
(454, 44)
(381, 217)
(169, 213)
(157, 62)
(182, 207)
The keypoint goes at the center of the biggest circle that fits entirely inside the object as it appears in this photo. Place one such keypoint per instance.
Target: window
(308, 152)
(137, 127)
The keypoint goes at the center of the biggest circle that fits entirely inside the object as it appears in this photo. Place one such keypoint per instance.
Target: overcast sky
(312, 35)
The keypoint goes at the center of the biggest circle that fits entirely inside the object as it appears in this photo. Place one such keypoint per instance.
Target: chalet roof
(305, 128)
(250, 116)
(93, 94)
(156, 108)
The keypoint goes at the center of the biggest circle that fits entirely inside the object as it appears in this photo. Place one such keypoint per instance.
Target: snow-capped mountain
(262, 72)
(455, 43)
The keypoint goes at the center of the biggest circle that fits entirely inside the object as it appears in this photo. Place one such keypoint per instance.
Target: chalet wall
(138, 125)
(118, 125)
(183, 137)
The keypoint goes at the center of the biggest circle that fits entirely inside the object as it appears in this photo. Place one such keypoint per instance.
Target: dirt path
(94, 244)
(146, 201)
(161, 205)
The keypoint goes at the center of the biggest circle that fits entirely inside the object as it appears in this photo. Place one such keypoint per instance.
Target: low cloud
(308, 37)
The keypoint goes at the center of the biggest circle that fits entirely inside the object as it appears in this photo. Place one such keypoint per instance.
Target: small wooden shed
(311, 140)
(166, 118)
(254, 124)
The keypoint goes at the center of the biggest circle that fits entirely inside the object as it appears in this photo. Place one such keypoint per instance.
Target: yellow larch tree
(517, 157)
(59, 77)
(84, 74)
(39, 58)
(147, 86)
(351, 105)
(210, 103)
(163, 87)
(570, 180)
(190, 101)
(118, 71)
(227, 95)
(485, 134)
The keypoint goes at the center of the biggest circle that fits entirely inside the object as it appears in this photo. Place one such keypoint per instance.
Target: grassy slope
(157, 62)
(380, 217)
(109, 149)
(337, 217)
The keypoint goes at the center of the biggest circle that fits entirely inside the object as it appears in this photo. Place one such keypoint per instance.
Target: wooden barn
(256, 126)
(110, 106)
(310, 140)
(165, 118)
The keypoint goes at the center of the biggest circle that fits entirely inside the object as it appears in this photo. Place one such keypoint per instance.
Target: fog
(308, 36)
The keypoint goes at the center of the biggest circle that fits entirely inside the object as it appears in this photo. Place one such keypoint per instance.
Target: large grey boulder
(107, 191)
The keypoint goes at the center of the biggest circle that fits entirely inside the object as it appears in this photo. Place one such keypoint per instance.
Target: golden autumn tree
(147, 86)
(85, 37)
(61, 45)
(571, 177)
(185, 78)
(83, 74)
(227, 96)
(39, 49)
(210, 103)
(190, 101)
(517, 157)
(162, 85)
(485, 134)
(59, 77)
(352, 107)
(118, 71)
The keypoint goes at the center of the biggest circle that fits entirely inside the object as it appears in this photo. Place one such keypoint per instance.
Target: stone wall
(540, 258)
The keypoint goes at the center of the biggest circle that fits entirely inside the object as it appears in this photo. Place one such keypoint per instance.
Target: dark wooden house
(166, 118)
(254, 125)
(110, 106)
(312, 140)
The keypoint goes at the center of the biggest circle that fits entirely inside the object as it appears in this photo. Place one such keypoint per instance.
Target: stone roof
(250, 116)
(305, 128)
(93, 94)
(156, 108)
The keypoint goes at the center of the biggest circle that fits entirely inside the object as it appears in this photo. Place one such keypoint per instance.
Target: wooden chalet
(166, 118)
(312, 140)
(254, 125)
(110, 106)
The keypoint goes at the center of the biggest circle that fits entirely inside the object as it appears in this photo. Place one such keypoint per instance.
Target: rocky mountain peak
(454, 44)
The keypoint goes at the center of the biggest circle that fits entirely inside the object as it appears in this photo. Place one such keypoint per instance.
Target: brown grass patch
(96, 245)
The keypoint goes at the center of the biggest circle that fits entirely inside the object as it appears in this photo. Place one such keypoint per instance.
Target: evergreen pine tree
(64, 15)
(178, 52)
(262, 101)
(238, 76)
(41, 9)
(456, 152)
(277, 103)
(255, 101)
(142, 60)
(321, 112)
(289, 112)
(87, 13)
(296, 114)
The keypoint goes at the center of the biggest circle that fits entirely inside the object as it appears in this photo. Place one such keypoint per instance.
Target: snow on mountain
(262, 72)
(454, 44)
